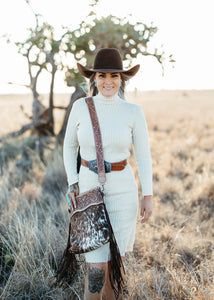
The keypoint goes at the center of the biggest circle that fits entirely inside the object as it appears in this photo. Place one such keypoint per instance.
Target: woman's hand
(146, 208)
(73, 191)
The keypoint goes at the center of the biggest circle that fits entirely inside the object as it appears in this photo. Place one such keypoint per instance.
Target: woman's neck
(107, 100)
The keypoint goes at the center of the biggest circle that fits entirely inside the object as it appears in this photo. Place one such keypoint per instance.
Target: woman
(122, 124)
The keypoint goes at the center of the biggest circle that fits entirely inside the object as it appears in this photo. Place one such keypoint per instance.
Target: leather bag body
(89, 224)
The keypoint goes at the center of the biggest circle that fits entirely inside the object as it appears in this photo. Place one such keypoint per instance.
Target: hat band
(105, 70)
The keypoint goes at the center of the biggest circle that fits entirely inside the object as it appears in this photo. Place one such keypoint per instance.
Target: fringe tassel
(115, 276)
(78, 161)
(67, 267)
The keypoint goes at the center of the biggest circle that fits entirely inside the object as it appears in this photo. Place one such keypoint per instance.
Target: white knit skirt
(121, 200)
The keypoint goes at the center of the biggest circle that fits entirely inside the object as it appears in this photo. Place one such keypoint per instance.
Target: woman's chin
(109, 93)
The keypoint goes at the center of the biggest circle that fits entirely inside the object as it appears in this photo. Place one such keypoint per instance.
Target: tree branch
(60, 107)
(27, 127)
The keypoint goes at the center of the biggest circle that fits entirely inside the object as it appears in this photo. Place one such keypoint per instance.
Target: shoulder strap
(98, 139)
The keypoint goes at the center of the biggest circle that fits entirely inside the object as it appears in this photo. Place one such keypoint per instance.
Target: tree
(132, 40)
(40, 49)
(46, 53)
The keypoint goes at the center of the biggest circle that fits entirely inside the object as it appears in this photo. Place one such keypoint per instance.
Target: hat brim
(88, 72)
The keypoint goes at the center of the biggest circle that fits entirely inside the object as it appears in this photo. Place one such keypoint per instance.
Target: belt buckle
(92, 165)
(107, 166)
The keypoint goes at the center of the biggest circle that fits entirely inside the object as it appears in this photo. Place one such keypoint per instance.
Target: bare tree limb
(60, 107)
(25, 114)
(27, 127)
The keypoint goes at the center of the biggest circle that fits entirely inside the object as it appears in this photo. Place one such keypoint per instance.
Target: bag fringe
(116, 264)
(67, 266)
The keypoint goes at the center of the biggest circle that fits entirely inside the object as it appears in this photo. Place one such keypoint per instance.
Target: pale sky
(185, 28)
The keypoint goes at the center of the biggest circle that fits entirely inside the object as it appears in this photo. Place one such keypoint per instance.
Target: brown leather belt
(116, 166)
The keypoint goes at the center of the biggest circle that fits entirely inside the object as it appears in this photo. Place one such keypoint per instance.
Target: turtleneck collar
(107, 100)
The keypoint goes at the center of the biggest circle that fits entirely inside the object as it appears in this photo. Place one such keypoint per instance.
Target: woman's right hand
(73, 191)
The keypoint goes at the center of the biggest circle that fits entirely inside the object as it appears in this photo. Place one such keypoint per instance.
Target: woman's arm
(146, 208)
(142, 151)
(70, 145)
(144, 162)
(70, 149)
(73, 191)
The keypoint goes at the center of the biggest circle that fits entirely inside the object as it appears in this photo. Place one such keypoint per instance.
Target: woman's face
(108, 84)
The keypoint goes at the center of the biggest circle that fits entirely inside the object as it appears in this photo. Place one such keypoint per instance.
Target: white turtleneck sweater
(122, 123)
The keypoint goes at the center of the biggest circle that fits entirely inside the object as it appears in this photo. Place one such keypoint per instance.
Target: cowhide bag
(89, 223)
(90, 226)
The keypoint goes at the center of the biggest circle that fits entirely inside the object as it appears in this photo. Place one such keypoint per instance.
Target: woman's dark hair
(94, 91)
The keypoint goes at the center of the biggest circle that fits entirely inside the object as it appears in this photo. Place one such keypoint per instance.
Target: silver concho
(93, 166)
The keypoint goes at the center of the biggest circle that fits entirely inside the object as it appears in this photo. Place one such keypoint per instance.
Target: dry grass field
(173, 256)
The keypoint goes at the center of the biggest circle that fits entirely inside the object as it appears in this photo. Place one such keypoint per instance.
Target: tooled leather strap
(98, 140)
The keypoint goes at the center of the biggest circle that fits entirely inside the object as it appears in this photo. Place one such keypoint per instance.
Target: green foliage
(8, 260)
(39, 46)
(113, 32)
(46, 52)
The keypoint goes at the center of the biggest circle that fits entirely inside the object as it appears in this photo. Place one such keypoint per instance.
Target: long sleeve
(70, 145)
(142, 152)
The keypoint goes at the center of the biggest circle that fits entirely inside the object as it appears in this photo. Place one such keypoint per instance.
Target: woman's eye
(114, 75)
(101, 75)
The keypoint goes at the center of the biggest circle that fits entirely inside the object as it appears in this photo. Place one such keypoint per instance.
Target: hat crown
(108, 58)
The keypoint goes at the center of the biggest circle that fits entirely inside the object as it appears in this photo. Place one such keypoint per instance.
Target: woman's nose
(108, 79)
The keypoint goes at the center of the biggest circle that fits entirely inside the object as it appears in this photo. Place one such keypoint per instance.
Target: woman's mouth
(108, 88)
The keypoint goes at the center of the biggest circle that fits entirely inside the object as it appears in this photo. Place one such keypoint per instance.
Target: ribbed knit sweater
(122, 123)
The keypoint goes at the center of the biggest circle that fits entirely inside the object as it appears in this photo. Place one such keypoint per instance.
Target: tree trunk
(51, 101)
(79, 93)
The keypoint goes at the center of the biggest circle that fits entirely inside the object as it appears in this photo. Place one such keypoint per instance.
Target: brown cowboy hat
(107, 60)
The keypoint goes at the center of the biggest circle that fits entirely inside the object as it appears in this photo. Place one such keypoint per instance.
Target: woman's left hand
(146, 208)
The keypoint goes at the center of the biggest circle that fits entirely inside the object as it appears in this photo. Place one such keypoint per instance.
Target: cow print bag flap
(89, 224)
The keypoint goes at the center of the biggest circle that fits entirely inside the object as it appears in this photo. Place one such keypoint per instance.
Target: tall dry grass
(173, 256)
